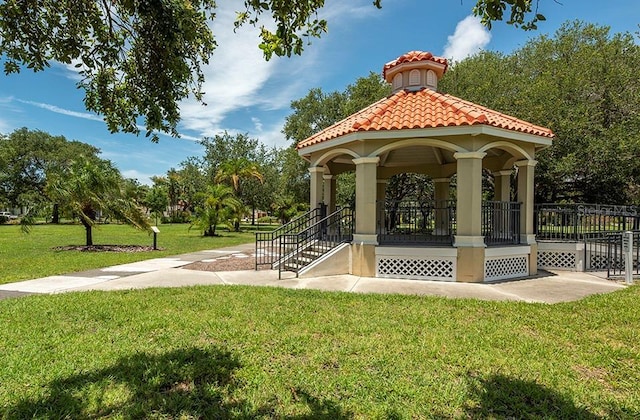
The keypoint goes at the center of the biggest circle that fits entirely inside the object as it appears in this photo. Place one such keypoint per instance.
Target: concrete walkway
(552, 287)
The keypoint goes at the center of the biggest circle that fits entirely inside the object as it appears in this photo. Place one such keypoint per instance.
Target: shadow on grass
(185, 383)
(503, 397)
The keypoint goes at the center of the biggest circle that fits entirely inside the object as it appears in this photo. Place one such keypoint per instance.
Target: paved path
(551, 287)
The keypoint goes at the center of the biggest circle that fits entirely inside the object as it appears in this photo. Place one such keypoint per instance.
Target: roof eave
(471, 130)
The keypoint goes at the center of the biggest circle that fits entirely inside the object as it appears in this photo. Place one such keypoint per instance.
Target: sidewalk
(553, 287)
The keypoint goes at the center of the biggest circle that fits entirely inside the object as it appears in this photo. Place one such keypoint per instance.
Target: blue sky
(248, 95)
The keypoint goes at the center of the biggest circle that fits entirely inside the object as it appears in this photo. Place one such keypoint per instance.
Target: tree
(28, 158)
(157, 201)
(235, 172)
(315, 112)
(138, 59)
(217, 205)
(583, 84)
(93, 187)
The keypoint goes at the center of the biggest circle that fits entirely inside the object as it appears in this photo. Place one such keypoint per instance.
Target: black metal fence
(501, 222)
(604, 252)
(434, 223)
(575, 222)
(418, 223)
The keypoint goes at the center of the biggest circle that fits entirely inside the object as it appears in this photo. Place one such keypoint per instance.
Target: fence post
(627, 250)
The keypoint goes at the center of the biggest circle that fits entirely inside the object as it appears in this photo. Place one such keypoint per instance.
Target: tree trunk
(55, 217)
(88, 235)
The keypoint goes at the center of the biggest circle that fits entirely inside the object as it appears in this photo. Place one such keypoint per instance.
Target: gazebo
(420, 130)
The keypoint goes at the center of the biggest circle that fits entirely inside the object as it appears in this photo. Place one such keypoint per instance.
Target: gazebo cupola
(415, 70)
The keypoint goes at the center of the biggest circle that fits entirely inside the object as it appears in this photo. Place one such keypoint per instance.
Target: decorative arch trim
(510, 147)
(419, 142)
(333, 153)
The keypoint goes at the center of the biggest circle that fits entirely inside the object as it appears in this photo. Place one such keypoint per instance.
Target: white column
(526, 197)
(441, 197)
(330, 192)
(502, 185)
(469, 199)
(366, 194)
(316, 186)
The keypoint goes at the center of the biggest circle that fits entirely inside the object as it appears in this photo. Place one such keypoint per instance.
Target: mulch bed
(227, 263)
(105, 248)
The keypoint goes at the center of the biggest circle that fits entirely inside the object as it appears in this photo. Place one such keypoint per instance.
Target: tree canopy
(28, 158)
(582, 83)
(138, 59)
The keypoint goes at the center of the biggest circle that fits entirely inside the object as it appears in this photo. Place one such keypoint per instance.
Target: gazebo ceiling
(415, 156)
(417, 110)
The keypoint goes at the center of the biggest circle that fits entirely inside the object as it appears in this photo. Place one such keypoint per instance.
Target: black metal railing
(417, 223)
(501, 222)
(434, 223)
(574, 222)
(299, 249)
(267, 242)
(604, 251)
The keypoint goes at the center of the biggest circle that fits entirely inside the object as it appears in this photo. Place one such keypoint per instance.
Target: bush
(3, 219)
(267, 220)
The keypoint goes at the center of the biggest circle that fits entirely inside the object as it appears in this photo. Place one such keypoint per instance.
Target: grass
(240, 352)
(27, 256)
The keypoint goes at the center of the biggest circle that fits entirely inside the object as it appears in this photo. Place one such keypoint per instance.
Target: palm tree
(94, 186)
(218, 205)
(234, 171)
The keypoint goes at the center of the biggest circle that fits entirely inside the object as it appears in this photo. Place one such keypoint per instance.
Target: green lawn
(27, 256)
(241, 352)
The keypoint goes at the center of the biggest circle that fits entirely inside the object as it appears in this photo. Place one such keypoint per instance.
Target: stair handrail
(264, 258)
(300, 240)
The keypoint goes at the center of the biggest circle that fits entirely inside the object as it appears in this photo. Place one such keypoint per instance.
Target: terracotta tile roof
(422, 109)
(413, 56)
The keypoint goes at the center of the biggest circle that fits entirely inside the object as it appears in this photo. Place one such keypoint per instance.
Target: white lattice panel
(557, 259)
(416, 268)
(506, 268)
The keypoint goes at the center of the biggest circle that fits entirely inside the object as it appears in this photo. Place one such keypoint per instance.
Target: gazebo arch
(324, 158)
(507, 146)
(441, 144)
(418, 129)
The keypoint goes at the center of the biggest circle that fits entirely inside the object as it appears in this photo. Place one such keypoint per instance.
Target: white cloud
(469, 38)
(238, 76)
(142, 178)
(63, 111)
(236, 72)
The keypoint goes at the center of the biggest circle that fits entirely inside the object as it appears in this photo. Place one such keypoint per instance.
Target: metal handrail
(266, 242)
(298, 250)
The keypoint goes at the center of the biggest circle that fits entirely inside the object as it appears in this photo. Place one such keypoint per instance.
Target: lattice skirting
(435, 268)
(557, 259)
(501, 268)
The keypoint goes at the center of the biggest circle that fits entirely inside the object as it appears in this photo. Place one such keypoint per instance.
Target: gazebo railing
(501, 222)
(434, 223)
(416, 223)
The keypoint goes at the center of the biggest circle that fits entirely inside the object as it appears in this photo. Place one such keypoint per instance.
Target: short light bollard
(627, 250)
(155, 237)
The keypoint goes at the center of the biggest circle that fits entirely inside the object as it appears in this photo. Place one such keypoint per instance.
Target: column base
(469, 241)
(470, 265)
(365, 239)
(363, 260)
